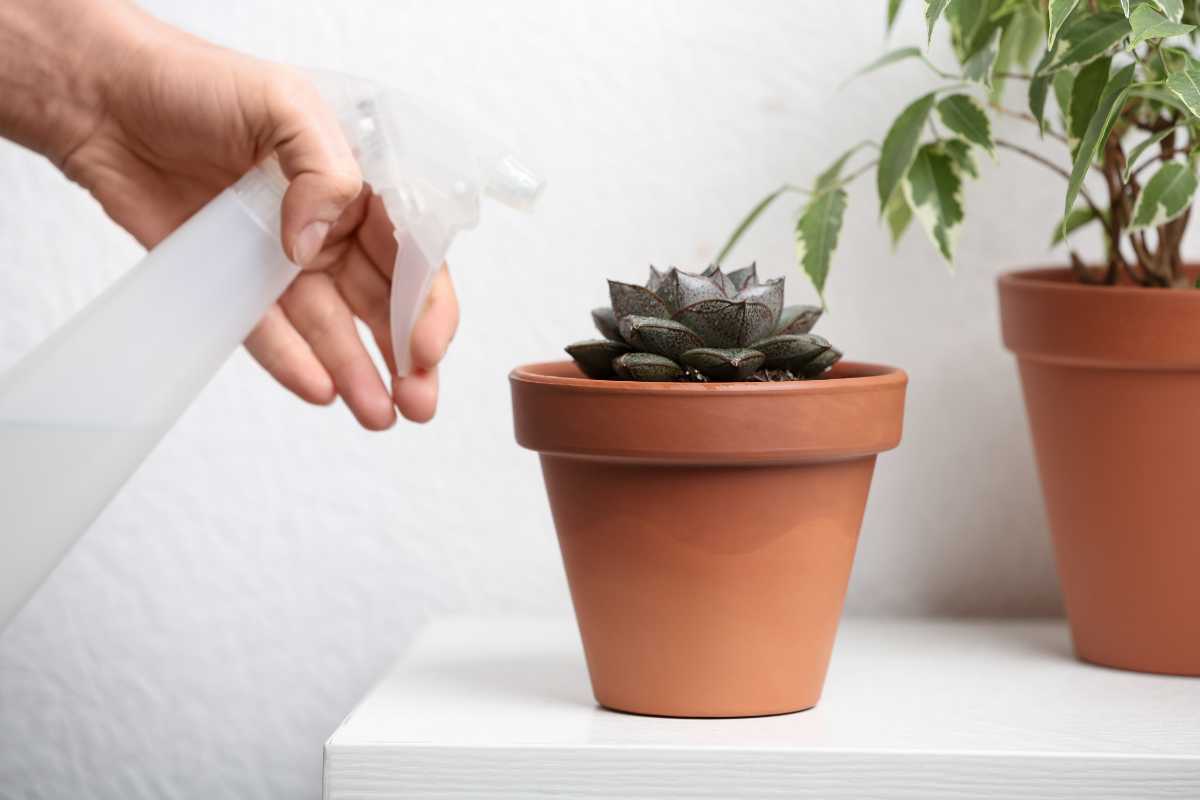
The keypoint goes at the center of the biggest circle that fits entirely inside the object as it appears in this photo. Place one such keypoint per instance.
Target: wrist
(58, 60)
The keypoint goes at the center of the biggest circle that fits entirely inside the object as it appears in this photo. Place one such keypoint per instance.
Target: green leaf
(746, 222)
(971, 27)
(981, 66)
(1064, 84)
(891, 57)
(1172, 8)
(1080, 216)
(1020, 38)
(1186, 86)
(892, 10)
(1058, 13)
(933, 11)
(1149, 24)
(1086, 38)
(1166, 196)
(963, 155)
(1007, 8)
(1039, 89)
(1111, 100)
(1161, 95)
(933, 189)
(900, 146)
(1085, 95)
(898, 216)
(965, 117)
(817, 235)
(833, 174)
(1142, 146)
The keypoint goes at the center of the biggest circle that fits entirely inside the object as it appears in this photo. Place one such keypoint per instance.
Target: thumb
(324, 179)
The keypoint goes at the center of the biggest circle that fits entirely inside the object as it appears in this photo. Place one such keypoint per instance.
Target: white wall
(269, 559)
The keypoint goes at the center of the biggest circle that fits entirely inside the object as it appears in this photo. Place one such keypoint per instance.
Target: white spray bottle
(82, 411)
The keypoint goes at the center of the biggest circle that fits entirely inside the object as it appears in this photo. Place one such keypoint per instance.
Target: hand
(170, 120)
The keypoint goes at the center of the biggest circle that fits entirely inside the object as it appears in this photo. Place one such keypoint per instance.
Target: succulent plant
(710, 326)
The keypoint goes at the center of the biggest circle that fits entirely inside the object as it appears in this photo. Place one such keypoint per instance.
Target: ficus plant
(1115, 83)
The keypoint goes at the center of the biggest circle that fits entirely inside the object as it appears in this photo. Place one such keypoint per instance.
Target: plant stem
(1025, 117)
(1045, 162)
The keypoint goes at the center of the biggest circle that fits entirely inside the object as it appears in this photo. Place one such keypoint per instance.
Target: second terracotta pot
(1112, 385)
(708, 530)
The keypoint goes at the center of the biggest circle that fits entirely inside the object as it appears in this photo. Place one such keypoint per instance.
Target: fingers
(438, 324)
(282, 351)
(313, 153)
(416, 395)
(321, 315)
(368, 294)
(378, 237)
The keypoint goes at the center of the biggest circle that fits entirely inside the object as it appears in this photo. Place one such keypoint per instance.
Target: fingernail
(309, 242)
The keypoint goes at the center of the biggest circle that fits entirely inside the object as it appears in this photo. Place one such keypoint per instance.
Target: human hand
(166, 121)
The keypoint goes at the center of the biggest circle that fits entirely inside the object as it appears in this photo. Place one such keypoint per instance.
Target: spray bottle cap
(430, 173)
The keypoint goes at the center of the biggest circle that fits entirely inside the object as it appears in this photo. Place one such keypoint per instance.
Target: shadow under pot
(708, 529)
(1111, 376)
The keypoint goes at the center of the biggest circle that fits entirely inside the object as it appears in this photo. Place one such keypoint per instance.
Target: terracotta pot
(1112, 385)
(707, 529)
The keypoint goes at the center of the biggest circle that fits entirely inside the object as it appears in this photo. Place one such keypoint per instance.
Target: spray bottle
(84, 409)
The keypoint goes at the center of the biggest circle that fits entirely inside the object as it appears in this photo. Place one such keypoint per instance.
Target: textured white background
(269, 558)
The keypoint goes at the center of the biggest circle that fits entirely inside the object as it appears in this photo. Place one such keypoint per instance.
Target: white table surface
(501, 708)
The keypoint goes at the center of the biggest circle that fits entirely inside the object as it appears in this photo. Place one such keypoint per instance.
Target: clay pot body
(707, 530)
(1111, 377)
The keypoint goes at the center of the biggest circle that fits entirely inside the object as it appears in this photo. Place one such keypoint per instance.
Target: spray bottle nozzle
(431, 172)
(507, 180)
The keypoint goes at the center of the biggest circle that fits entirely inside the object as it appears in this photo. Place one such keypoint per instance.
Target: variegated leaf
(933, 11)
(1168, 194)
(900, 147)
(1058, 12)
(1149, 24)
(1085, 38)
(1111, 100)
(966, 118)
(817, 233)
(933, 188)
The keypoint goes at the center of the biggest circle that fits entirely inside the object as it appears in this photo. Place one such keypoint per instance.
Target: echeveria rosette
(708, 326)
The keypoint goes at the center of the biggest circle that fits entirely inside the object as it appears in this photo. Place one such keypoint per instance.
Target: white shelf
(501, 708)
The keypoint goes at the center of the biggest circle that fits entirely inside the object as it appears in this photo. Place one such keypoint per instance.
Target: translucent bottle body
(81, 412)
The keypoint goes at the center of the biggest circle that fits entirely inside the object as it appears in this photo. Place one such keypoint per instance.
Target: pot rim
(1047, 317)
(558, 412)
(1050, 279)
(846, 376)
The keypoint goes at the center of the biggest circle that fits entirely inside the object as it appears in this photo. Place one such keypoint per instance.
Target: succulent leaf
(606, 323)
(656, 279)
(797, 319)
(769, 294)
(664, 337)
(668, 289)
(721, 279)
(726, 323)
(595, 356)
(646, 367)
(746, 276)
(821, 363)
(696, 288)
(628, 298)
(724, 364)
(792, 352)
